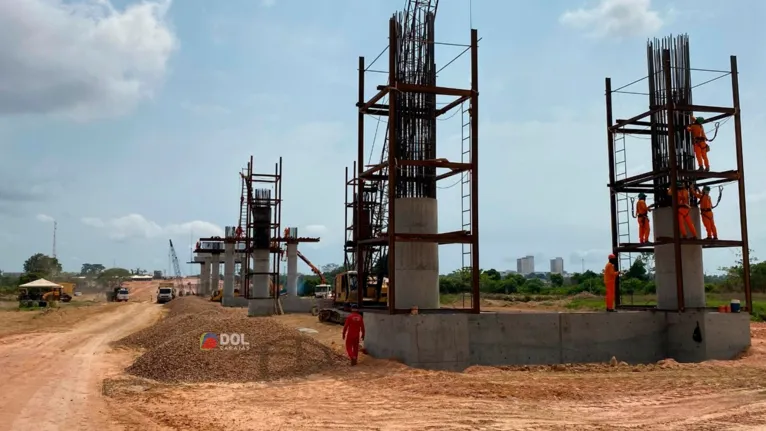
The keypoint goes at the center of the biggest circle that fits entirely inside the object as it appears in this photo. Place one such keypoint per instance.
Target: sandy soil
(70, 378)
(52, 379)
(383, 395)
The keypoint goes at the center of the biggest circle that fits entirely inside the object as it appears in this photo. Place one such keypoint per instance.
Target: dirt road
(52, 380)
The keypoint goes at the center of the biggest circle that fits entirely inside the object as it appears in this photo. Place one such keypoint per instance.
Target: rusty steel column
(474, 115)
(612, 178)
(741, 184)
(359, 191)
(392, 144)
(673, 161)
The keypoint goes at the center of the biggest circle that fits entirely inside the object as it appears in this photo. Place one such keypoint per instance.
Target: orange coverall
(700, 145)
(610, 279)
(706, 212)
(683, 213)
(352, 329)
(642, 214)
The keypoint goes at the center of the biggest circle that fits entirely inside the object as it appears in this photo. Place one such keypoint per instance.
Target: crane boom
(314, 269)
(177, 269)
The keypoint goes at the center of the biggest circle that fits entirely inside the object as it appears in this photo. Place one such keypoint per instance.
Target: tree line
(638, 280)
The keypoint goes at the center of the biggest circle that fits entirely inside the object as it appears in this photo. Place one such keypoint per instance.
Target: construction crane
(314, 269)
(177, 269)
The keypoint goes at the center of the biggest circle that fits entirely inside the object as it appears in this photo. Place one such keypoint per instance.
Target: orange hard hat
(612, 256)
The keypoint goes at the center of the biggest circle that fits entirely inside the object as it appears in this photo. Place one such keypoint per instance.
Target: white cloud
(615, 18)
(314, 230)
(82, 58)
(137, 226)
(45, 218)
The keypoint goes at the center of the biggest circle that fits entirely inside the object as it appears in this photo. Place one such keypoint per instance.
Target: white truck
(165, 294)
(123, 295)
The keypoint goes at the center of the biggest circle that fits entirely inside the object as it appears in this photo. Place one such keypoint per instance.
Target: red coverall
(352, 329)
(610, 281)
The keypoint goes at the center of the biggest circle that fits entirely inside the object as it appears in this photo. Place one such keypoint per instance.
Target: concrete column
(664, 264)
(292, 269)
(416, 263)
(228, 272)
(260, 304)
(204, 277)
(215, 272)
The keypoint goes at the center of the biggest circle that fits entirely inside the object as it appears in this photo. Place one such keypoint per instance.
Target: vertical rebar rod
(359, 191)
(669, 106)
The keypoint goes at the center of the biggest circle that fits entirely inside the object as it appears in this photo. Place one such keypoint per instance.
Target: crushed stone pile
(275, 351)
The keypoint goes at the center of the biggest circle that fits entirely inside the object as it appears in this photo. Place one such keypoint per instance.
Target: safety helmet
(706, 189)
(612, 256)
(354, 306)
(699, 120)
(641, 196)
(679, 183)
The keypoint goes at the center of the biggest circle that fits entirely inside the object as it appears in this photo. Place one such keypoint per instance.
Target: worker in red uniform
(353, 328)
(642, 214)
(701, 146)
(706, 212)
(610, 281)
(684, 219)
(239, 232)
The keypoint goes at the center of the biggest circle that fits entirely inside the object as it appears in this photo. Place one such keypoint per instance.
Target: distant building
(557, 266)
(525, 265)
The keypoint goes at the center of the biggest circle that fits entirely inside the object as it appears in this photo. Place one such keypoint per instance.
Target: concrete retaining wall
(456, 341)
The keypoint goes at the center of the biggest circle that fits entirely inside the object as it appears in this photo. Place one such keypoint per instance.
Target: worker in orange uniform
(701, 146)
(706, 212)
(684, 219)
(353, 328)
(642, 214)
(610, 281)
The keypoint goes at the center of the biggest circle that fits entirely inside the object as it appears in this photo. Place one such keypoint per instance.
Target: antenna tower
(55, 226)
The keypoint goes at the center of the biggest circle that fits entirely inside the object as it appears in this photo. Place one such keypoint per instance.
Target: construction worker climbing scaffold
(701, 146)
(684, 217)
(641, 213)
(706, 210)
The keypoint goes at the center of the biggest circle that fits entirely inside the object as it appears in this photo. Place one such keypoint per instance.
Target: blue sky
(127, 122)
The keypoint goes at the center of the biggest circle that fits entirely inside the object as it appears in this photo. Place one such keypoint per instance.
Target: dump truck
(166, 292)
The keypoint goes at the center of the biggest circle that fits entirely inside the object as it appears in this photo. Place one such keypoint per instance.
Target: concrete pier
(292, 270)
(417, 263)
(215, 273)
(664, 264)
(228, 271)
(204, 277)
(260, 303)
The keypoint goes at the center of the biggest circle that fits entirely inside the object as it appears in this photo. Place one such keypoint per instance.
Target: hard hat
(641, 196)
(679, 183)
(612, 256)
(354, 306)
(706, 189)
(699, 120)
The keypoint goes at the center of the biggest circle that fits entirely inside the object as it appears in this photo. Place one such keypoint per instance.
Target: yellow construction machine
(218, 295)
(346, 292)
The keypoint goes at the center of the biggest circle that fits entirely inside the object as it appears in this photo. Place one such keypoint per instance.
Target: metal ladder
(624, 216)
(465, 179)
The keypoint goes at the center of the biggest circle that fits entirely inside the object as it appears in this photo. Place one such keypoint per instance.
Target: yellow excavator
(218, 295)
(346, 292)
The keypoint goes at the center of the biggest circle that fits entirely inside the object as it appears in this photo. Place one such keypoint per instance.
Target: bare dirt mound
(274, 352)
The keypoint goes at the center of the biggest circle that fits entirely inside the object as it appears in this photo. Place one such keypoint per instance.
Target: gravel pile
(275, 351)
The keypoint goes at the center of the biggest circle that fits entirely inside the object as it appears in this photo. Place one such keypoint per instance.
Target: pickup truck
(122, 295)
(165, 294)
